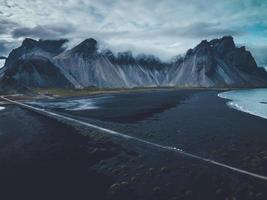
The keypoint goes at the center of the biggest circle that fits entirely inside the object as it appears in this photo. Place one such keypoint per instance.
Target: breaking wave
(252, 101)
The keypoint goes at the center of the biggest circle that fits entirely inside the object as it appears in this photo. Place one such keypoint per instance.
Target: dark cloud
(43, 32)
(5, 47)
(166, 27)
(96, 13)
(200, 30)
(204, 29)
(6, 26)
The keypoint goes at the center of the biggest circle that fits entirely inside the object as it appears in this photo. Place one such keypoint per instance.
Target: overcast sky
(162, 27)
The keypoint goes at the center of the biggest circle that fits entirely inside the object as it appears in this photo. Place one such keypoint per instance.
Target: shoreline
(55, 93)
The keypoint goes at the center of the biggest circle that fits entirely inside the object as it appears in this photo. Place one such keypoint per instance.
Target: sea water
(2, 63)
(252, 101)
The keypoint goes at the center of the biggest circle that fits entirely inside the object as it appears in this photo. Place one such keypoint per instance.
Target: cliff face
(215, 63)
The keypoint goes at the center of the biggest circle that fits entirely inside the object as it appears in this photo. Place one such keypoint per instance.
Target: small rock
(218, 191)
(259, 196)
(150, 171)
(163, 170)
(133, 179)
(250, 194)
(140, 156)
(156, 190)
(115, 171)
(114, 188)
(188, 193)
(124, 183)
(140, 167)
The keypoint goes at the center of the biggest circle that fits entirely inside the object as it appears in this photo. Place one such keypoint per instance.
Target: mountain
(30, 47)
(84, 66)
(218, 63)
(36, 72)
(215, 63)
(30, 65)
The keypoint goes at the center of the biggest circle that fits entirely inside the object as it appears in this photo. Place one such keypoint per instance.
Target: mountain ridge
(214, 63)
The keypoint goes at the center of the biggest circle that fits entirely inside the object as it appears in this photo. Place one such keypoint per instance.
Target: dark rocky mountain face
(30, 65)
(219, 63)
(36, 72)
(234, 56)
(87, 48)
(215, 63)
(30, 47)
(204, 58)
(150, 61)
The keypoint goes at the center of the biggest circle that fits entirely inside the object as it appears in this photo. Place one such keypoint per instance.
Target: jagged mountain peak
(87, 47)
(147, 57)
(125, 54)
(149, 60)
(52, 46)
(30, 47)
(223, 45)
(214, 63)
(203, 47)
(125, 57)
(29, 43)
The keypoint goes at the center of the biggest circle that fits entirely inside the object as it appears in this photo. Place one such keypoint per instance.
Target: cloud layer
(163, 27)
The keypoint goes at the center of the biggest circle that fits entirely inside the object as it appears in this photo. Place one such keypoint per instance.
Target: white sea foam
(252, 101)
(2, 108)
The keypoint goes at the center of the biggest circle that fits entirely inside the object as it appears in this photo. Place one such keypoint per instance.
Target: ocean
(2, 62)
(252, 101)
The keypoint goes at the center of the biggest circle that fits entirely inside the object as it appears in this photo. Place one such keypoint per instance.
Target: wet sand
(41, 157)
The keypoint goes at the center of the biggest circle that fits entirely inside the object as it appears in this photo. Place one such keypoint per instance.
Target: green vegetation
(67, 92)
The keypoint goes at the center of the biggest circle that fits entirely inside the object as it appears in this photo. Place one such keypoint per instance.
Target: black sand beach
(41, 158)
